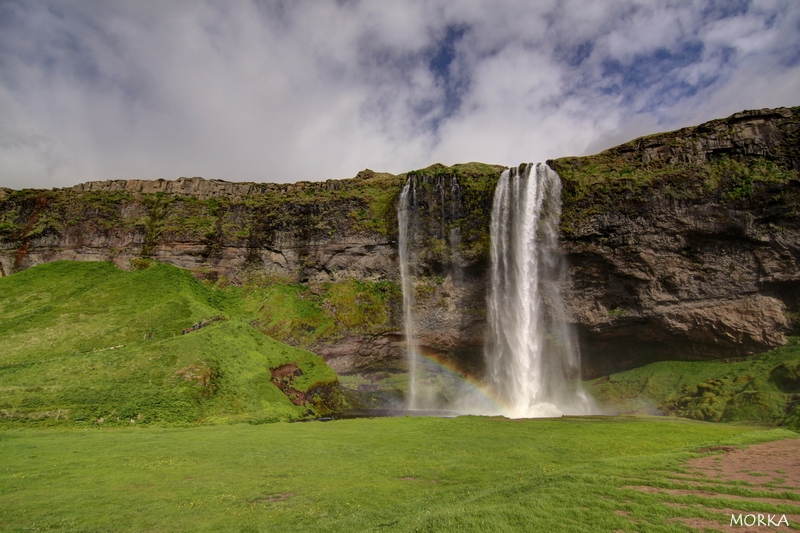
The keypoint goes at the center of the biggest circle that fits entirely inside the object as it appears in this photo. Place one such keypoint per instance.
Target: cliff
(682, 245)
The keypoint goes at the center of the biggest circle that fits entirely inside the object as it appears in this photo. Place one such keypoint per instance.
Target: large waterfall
(532, 356)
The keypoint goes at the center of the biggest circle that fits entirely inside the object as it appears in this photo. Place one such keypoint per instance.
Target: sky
(283, 91)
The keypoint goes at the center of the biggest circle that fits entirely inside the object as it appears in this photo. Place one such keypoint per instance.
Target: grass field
(399, 474)
(112, 419)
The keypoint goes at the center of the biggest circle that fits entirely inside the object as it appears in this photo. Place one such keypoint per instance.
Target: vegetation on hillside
(761, 388)
(625, 178)
(89, 343)
(301, 314)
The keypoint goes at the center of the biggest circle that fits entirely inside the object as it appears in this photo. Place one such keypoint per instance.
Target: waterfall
(532, 356)
(455, 232)
(425, 208)
(405, 230)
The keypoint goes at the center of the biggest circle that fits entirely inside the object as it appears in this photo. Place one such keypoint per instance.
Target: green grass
(304, 313)
(87, 343)
(403, 474)
(759, 388)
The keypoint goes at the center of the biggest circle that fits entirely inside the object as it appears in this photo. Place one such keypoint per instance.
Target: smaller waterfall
(405, 216)
(532, 354)
(455, 232)
(426, 211)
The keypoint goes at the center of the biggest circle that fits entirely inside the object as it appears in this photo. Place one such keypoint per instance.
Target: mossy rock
(786, 376)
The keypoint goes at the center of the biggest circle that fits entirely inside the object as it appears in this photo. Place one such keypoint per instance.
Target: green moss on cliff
(376, 192)
(456, 197)
(301, 313)
(711, 163)
(269, 215)
(303, 211)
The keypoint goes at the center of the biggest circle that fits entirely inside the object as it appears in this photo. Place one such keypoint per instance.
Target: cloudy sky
(247, 90)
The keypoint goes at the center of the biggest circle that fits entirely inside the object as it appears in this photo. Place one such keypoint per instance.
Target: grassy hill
(89, 343)
(761, 388)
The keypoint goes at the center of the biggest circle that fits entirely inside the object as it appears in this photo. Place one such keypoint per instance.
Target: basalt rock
(685, 245)
(682, 245)
(297, 231)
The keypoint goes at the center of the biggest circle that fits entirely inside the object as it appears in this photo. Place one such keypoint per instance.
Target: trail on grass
(758, 479)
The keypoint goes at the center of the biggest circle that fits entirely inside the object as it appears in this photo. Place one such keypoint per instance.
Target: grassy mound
(89, 343)
(761, 388)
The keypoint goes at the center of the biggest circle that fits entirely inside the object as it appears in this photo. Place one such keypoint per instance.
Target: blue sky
(246, 90)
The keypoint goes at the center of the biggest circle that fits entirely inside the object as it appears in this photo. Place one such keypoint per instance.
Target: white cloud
(283, 91)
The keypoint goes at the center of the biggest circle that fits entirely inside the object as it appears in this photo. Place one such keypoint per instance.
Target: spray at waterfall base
(532, 360)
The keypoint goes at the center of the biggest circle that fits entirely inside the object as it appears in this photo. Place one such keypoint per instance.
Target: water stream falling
(425, 208)
(405, 216)
(455, 232)
(532, 355)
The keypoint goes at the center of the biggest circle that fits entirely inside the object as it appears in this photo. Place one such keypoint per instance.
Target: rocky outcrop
(691, 249)
(202, 189)
(298, 231)
(682, 245)
(765, 133)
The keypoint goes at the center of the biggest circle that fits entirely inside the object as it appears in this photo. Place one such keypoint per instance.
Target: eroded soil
(751, 480)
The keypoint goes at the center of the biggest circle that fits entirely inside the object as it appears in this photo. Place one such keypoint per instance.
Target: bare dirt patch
(274, 498)
(768, 467)
(290, 369)
(703, 482)
(717, 449)
(703, 494)
(283, 377)
(724, 522)
(772, 462)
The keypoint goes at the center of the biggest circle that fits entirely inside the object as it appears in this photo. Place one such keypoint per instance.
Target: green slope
(89, 343)
(760, 388)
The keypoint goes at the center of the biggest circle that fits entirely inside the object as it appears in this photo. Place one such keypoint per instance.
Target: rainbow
(473, 397)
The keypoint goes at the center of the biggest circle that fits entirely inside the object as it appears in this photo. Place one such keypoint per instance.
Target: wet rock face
(682, 245)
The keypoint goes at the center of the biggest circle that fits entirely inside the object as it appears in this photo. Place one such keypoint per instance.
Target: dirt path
(772, 469)
(764, 465)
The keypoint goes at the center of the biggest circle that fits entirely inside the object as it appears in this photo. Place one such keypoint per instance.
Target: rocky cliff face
(685, 245)
(300, 230)
(682, 245)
